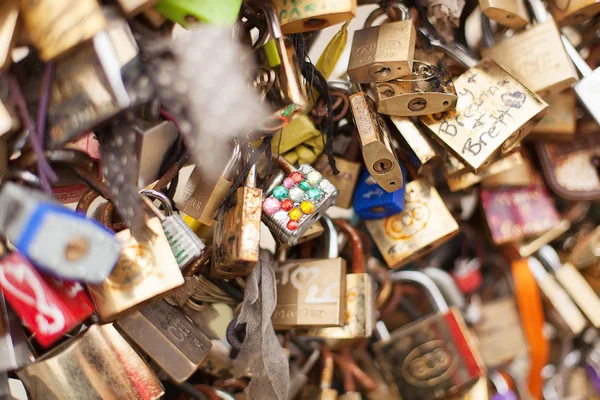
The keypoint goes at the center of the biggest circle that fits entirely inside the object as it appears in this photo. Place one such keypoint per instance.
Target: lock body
(433, 358)
(537, 59)
(419, 151)
(466, 178)
(573, 12)
(168, 337)
(424, 224)
(382, 53)
(188, 12)
(376, 143)
(153, 139)
(372, 202)
(560, 124)
(310, 293)
(493, 114)
(345, 181)
(511, 13)
(427, 89)
(144, 270)
(102, 363)
(294, 206)
(309, 15)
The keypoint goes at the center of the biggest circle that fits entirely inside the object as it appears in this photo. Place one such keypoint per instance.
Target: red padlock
(49, 308)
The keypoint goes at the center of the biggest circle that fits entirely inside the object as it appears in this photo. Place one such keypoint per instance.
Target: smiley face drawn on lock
(413, 219)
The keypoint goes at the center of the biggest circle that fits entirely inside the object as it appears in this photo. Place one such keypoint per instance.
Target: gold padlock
(493, 114)
(424, 224)
(573, 12)
(418, 149)
(537, 58)
(144, 271)
(511, 13)
(385, 52)
(298, 16)
(375, 139)
(427, 90)
(131, 8)
(560, 124)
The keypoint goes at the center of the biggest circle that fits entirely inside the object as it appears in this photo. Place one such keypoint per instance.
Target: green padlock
(186, 12)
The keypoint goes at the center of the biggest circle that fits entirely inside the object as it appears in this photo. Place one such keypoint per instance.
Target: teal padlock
(186, 12)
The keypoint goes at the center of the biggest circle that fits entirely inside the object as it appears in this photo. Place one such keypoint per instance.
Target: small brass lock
(309, 15)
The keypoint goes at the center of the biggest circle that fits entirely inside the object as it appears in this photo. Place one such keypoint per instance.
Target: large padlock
(308, 15)
(56, 239)
(237, 232)
(50, 308)
(385, 52)
(372, 202)
(511, 13)
(303, 198)
(434, 357)
(312, 292)
(376, 143)
(100, 361)
(146, 269)
(424, 224)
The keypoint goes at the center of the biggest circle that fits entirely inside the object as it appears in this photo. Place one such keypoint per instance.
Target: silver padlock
(185, 244)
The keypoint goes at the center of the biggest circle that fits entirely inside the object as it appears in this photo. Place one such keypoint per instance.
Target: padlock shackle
(431, 290)
(447, 286)
(454, 50)
(378, 12)
(270, 13)
(156, 195)
(331, 238)
(549, 258)
(358, 255)
(284, 164)
(235, 158)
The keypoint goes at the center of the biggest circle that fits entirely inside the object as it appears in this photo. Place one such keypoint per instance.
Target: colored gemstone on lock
(296, 194)
(314, 193)
(296, 176)
(304, 185)
(295, 214)
(288, 183)
(307, 207)
(280, 192)
(292, 225)
(287, 205)
(314, 177)
(271, 205)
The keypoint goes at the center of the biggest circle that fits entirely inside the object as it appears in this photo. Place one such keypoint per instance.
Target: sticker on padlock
(433, 357)
(372, 202)
(59, 241)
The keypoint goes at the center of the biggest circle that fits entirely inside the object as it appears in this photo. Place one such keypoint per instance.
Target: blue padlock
(57, 240)
(372, 202)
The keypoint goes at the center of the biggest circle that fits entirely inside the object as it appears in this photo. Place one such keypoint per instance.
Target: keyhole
(382, 165)
(380, 72)
(417, 104)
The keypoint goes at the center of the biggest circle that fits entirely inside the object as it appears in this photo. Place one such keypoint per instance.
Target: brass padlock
(385, 52)
(573, 12)
(510, 13)
(57, 27)
(376, 143)
(428, 89)
(434, 357)
(424, 224)
(9, 16)
(560, 124)
(312, 292)
(131, 8)
(237, 232)
(309, 15)
(536, 58)
(101, 363)
(144, 271)
(173, 342)
(493, 114)
(419, 151)
(360, 315)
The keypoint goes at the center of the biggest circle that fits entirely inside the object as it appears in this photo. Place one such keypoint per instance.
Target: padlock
(14, 346)
(518, 172)
(278, 76)
(237, 232)
(172, 341)
(385, 52)
(559, 125)
(573, 12)
(424, 224)
(494, 113)
(131, 8)
(299, 142)
(312, 292)
(50, 311)
(301, 200)
(434, 357)
(501, 169)
(527, 247)
(188, 12)
(360, 317)
(376, 143)
(427, 89)
(586, 253)
(204, 192)
(186, 246)
(417, 146)
(574, 284)
(372, 202)
(100, 362)
(510, 13)
(536, 58)
(306, 15)
(9, 15)
(145, 270)
(345, 181)
(564, 309)
(299, 378)
(55, 28)
(153, 138)
(59, 241)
